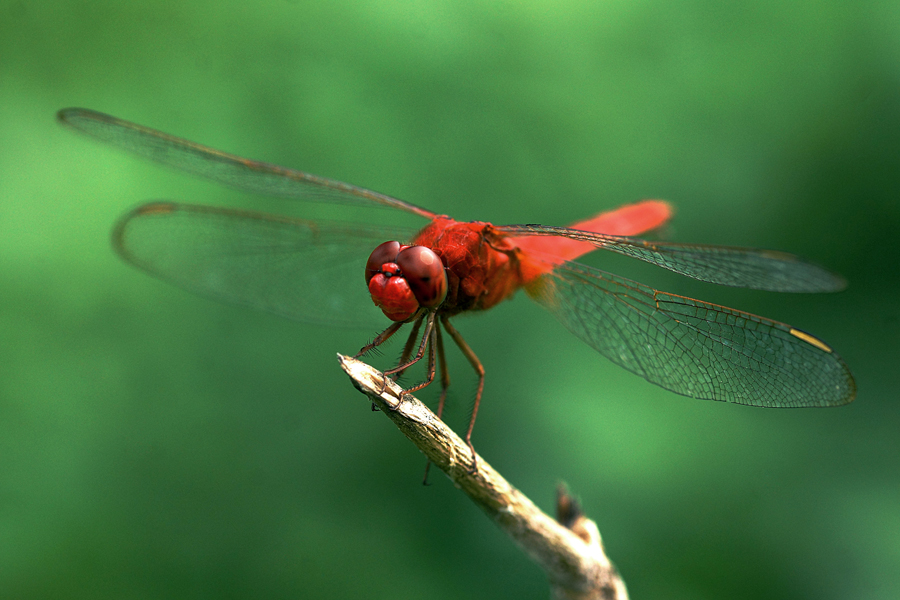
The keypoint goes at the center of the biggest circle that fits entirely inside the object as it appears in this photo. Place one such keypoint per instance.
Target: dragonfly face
(403, 279)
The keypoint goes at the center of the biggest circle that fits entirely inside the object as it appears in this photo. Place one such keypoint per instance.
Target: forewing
(691, 347)
(248, 175)
(304, 270)
(738, 267)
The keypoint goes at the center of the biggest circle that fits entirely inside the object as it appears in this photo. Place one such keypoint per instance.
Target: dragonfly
(313, 269)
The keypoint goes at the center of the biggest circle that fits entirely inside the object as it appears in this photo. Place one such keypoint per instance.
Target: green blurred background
(154, 444)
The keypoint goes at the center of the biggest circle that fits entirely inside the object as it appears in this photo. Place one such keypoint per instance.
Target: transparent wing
(692, 347)
(738, 267)
(241, 173)
(304, 270)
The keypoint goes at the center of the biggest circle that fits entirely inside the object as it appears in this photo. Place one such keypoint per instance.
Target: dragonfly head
(402, 279)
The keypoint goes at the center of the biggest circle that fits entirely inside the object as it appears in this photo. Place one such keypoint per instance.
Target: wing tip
(119, 231)
(839, 283)
(69, 116)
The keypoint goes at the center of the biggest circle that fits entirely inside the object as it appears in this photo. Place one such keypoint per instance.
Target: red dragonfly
(309, 270)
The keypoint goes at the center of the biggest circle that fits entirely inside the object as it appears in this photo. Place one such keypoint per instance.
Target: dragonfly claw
(473, 468)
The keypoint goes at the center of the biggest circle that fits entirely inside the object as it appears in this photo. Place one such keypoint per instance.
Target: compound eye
(384, 253)
(424, 272)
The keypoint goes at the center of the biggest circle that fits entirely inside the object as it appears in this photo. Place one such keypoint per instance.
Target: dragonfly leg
(410, 343)
(380, 339)
(426, 338)
(445, 374)
(384, 336)
(431, 369)
(479, 369)
(445, 383)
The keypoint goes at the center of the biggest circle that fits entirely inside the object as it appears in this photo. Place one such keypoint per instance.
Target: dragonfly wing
(691, 347)
(304, 270)
(737, 267)
(241, 173)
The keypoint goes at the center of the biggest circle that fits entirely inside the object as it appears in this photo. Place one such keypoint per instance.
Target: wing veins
(693, 347)
(724, 265)
(222, 167)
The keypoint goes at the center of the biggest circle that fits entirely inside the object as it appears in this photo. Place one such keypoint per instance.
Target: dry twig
(571, 555)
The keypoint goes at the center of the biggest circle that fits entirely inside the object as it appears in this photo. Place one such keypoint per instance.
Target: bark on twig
(573, 556)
